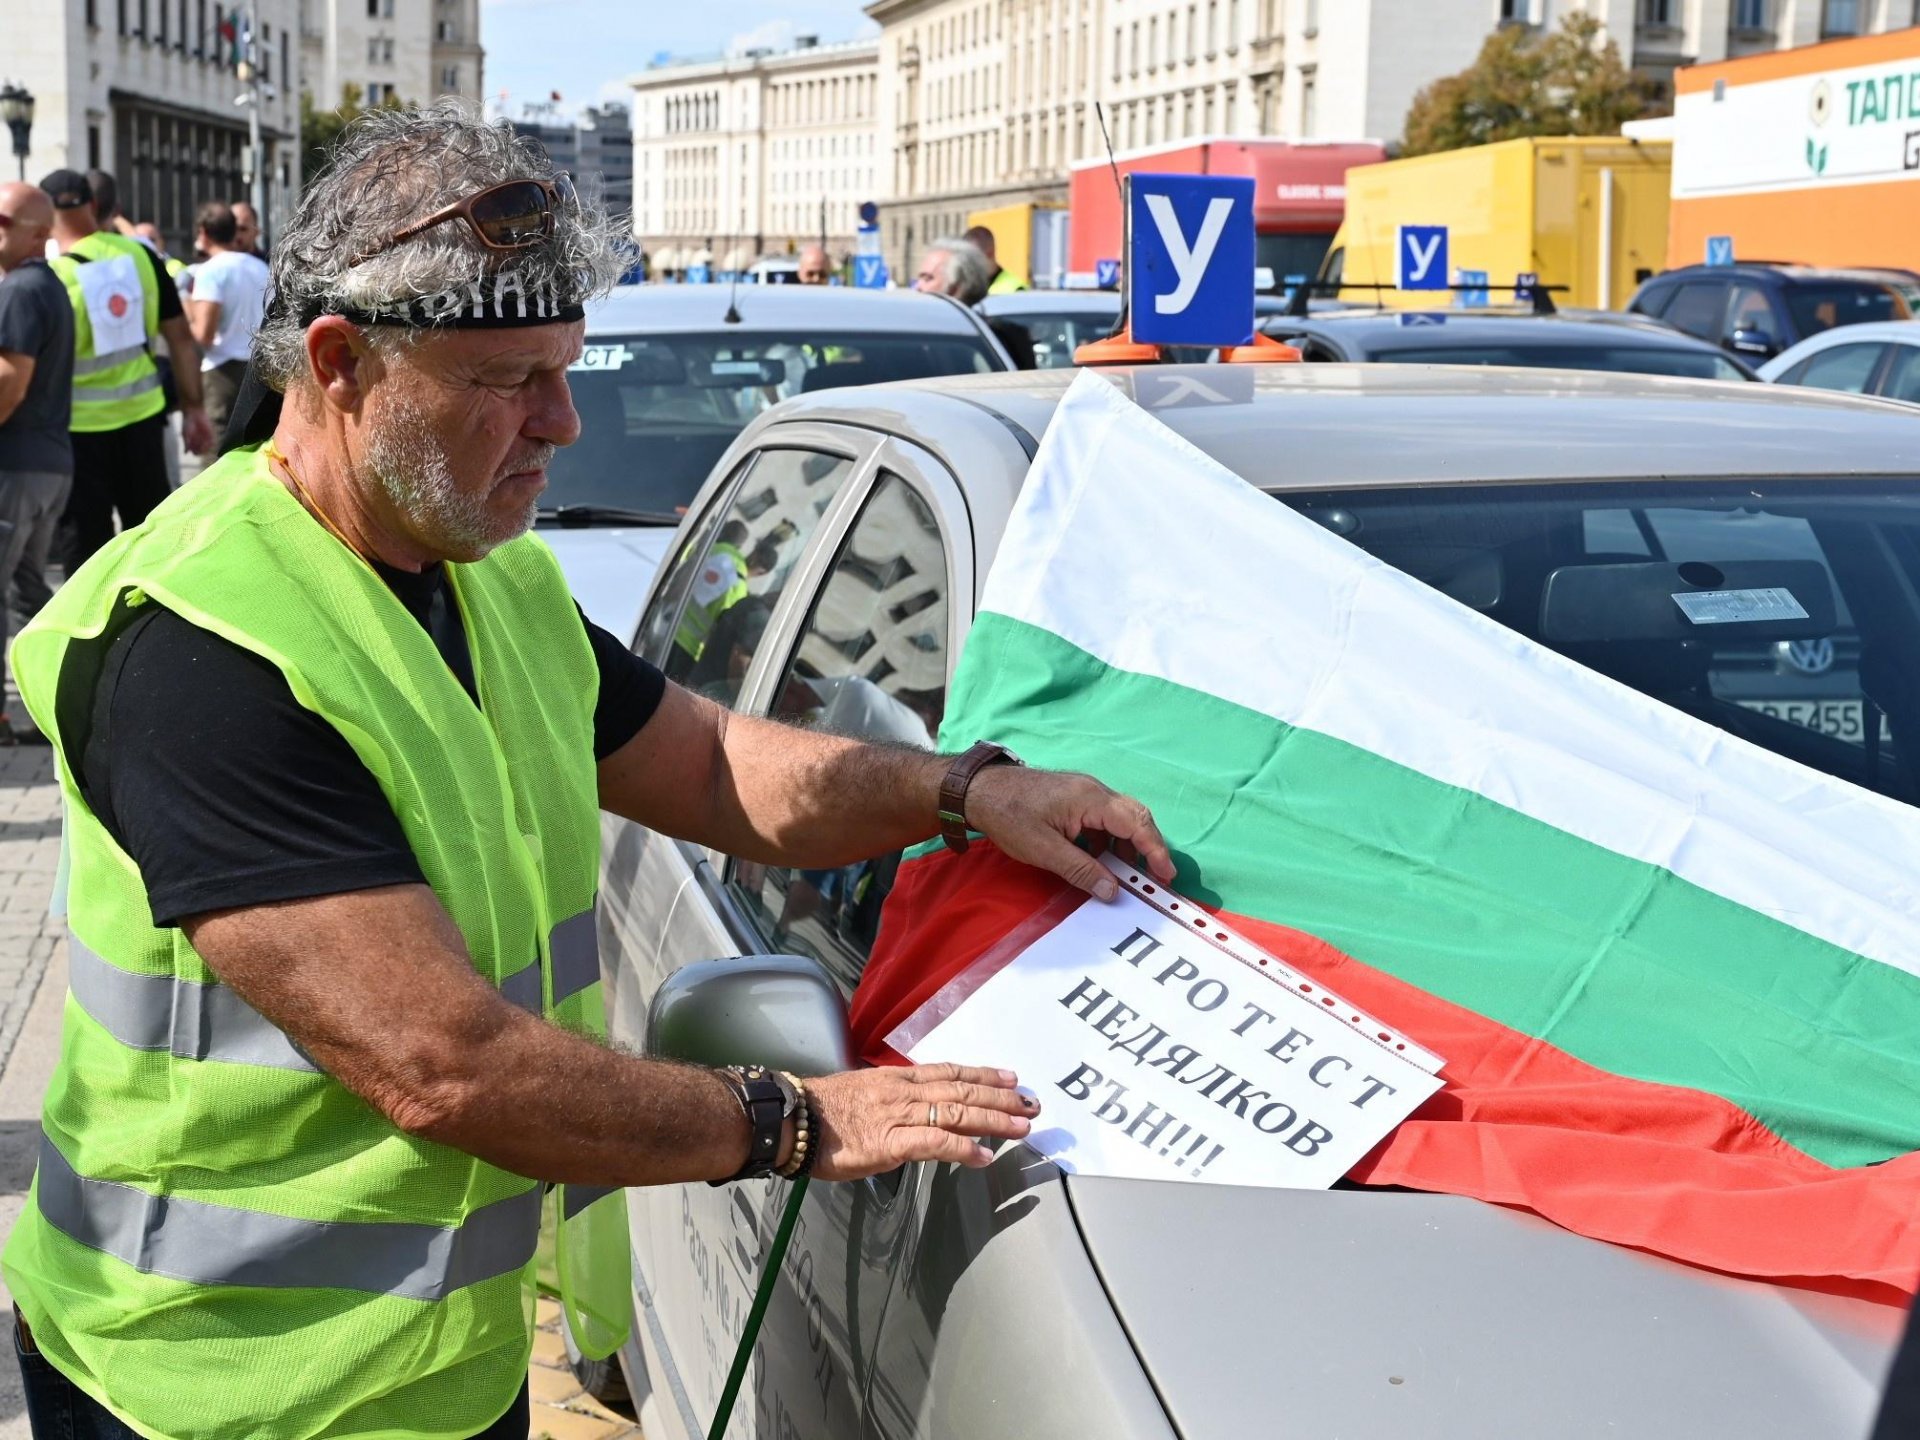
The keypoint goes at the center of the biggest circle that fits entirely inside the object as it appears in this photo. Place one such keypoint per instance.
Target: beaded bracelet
(805, 1134)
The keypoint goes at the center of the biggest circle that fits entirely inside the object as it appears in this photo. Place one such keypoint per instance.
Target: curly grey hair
(968, 272)
(394, 166)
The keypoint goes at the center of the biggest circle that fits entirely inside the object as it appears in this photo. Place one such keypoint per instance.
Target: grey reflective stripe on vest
(165, 1012)
(207, 1244)
(522, 988)
(94, 364)
(575, 1198)
(197, 1021)
(574, 947)
(88, 394)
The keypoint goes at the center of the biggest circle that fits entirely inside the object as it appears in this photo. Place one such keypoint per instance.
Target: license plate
(1842, 719)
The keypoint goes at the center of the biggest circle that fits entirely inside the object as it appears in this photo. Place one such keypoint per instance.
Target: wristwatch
(953, 789)
(768, 1098)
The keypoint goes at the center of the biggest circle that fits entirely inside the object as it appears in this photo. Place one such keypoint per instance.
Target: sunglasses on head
(508, 216)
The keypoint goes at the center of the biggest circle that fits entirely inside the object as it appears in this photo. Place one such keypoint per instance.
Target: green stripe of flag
(1614, 960)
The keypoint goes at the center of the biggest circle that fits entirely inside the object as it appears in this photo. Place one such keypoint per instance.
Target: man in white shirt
(224, 308)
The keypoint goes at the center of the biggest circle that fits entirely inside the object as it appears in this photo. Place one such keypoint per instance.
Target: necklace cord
(277, 456)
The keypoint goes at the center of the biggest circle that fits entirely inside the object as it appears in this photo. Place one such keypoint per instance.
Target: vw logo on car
(1807, 657)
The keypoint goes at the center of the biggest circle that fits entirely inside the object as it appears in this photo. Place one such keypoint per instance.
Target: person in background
(957, 267)
(246, 229)
(36, 396)
(1004, 282)
(815, 267)
(106, 203)
(123, 301)
(229, 296)
(148, 234)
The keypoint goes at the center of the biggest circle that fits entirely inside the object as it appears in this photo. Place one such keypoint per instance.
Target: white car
(670, 374)
(1881, 358)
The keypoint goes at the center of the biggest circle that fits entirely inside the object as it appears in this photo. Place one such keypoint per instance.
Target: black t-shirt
(227, 792)
(36, 320)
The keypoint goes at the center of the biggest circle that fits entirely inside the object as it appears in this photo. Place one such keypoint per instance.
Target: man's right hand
(873, 1121)
(197, 431)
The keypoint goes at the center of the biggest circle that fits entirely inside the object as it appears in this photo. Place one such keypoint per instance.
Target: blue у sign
(1719, 250)
(1420, 258)
(1190, 273)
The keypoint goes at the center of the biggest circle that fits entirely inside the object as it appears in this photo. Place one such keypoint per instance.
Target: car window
(1698, 308)
(663, 610)
(1056, 336)
(658, 411)
(1824, 676)
(1631, 359)
(1903, 376)
(1653, 300)
(1844, 367)
(872, 662)
(728, 595)
(1818, 305)
(1751, 310)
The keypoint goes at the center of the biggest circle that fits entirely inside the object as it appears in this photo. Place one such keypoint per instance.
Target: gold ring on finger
(933, 1115)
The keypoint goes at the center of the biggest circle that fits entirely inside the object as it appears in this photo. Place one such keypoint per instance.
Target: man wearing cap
(123, 301)
(333, 741)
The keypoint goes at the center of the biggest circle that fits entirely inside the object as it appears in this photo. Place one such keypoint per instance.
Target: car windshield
(1633, 359)
(1800, 627)
(656, 411)
(1819, 305)
(1057, 335)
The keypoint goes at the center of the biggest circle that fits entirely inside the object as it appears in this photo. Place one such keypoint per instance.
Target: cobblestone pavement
(561, 1410)
(29, 855)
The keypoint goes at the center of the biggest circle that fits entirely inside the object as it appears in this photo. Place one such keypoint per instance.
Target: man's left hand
(1036, 816)
(197, 431)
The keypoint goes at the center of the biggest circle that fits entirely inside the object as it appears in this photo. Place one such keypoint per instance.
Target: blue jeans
(58, 1409)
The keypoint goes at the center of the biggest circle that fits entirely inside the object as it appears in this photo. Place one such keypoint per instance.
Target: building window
(1309, 105)
(1311, 23)
(1516, 12)
(93, 147)
(122, 8)
(200, 29)
(450, 77)
(1840, 17)
(1658, 13)
(143, 19)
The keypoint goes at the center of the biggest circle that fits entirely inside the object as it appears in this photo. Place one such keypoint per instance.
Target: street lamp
(16, 108)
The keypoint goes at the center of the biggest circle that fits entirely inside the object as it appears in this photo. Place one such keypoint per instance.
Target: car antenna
(1120, 195)
(732, 317)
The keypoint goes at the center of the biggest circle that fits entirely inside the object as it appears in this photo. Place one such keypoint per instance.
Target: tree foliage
(319, 129)
(1569, 81)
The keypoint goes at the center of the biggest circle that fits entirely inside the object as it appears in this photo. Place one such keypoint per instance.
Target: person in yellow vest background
(336, 1016)
(124, 302)
(1004, 281)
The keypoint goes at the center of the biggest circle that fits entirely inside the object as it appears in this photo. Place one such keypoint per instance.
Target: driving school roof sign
(1190, 272)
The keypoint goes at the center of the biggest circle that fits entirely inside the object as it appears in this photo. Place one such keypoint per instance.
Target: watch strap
(959, 778)
(767, 1099)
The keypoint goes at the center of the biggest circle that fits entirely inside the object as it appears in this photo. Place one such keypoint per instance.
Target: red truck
(1300, 195)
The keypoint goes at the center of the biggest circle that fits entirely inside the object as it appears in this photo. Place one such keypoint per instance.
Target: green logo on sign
(1816, 156)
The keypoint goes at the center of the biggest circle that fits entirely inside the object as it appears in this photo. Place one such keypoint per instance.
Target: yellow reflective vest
(222, 1242)
(117, 387)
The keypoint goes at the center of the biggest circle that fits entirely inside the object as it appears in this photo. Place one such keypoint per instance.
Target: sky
(586, 49)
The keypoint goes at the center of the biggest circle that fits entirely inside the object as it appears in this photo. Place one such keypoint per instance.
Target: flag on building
(1676, 976)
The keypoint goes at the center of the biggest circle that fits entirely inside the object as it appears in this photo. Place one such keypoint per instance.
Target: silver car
(671, 374)
(1015, 1301)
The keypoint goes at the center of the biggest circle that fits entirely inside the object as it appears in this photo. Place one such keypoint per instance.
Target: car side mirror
(1754, 342)
(780, 1011)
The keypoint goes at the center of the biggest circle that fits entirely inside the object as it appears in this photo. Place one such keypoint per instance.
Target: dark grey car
(1016, 1301)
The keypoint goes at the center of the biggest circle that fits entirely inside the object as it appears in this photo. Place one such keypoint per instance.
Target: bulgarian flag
(1673, 974)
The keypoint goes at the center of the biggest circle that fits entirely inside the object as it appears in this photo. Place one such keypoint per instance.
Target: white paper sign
(1165, 1046)
(115, 305)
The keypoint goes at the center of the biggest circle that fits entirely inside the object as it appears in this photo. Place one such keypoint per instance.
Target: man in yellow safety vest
(333, 741)
(124, 302)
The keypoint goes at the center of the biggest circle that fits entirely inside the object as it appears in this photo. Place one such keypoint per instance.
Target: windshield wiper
(579, 516)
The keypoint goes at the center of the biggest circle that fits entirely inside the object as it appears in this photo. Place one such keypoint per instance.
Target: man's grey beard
(411, 466)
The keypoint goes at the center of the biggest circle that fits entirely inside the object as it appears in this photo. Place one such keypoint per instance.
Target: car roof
(1761, 268)
(1335, 426)
(690, 308)
(1389, 330)
(1899, 332)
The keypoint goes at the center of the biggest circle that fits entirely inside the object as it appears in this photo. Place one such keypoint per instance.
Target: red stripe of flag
(1678, 1172)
